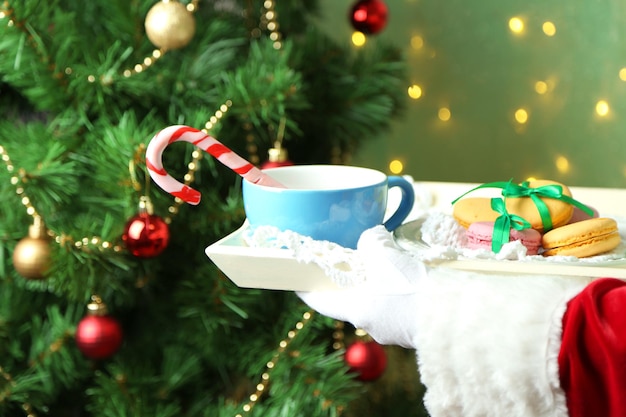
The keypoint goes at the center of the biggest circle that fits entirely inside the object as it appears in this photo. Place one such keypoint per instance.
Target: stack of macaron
(573, 233)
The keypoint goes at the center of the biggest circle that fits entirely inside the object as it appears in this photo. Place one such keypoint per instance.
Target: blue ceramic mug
(326, 202)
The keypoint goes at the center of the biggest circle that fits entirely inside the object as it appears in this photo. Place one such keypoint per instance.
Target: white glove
(385, 304)
(486, 343)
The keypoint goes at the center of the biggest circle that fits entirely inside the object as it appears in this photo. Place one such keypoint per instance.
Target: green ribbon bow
(550, 191)
(504, 223)
(510, 189)
(496, 184)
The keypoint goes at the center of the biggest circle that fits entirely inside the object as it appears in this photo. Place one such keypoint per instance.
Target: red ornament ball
(276, 164)
(367, 359)
(277, 157)
(369, 16)
(146, 235)
(98, 337)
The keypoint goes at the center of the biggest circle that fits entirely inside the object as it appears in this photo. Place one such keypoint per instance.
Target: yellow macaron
(582, 239)
(478, 209)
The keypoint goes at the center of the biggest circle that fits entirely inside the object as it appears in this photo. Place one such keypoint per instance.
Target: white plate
(408, 236)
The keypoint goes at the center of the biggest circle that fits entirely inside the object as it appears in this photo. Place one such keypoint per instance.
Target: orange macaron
(582, 239)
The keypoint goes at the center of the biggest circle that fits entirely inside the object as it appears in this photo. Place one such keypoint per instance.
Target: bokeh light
(396, 167)
(602, 108)
(521, 116)
(516, 25)
(358, 38)
(562, 164)
(548, 28)
(417, 42)
(415, 91)
(541, 87)
(444, 114)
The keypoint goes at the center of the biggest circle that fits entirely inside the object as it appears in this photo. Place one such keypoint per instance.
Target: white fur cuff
(487, 343)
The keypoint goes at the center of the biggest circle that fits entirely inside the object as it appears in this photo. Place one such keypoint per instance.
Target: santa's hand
(384, 305)
(487, 343)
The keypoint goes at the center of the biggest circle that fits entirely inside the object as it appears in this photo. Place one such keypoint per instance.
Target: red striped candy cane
(176, 133)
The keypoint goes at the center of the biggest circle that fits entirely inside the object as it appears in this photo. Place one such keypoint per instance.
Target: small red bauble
(367, 359)
(146, 235)
(98, 337)
(277, 157)
(369, 16)
(275, 164)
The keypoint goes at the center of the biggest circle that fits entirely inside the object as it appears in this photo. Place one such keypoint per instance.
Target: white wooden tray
(277, 269)
(272, 269)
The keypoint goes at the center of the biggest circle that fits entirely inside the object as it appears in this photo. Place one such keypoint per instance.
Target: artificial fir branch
(77, 113)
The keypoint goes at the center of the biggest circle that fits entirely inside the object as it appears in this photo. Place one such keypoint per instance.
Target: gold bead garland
(142, 66)
(196, 157)
(338, 335)
(6, 393)
(251, 146)
(87, 243)
(217, 116)
(266, 375)
(269, 21)
(156, 53)
(148, 61)
(54, 347)
(6, 12)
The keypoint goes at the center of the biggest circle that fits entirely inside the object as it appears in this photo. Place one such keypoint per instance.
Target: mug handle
(406, 202)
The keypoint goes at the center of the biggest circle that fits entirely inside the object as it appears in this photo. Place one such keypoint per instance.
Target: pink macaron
(579, 215)
(479, 235)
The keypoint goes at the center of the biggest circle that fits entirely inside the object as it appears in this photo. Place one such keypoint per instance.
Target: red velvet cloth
(592, 358)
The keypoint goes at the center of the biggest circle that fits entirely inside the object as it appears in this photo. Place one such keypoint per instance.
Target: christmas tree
(96, 320)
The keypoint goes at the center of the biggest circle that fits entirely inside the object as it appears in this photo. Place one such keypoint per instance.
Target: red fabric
(592, 358)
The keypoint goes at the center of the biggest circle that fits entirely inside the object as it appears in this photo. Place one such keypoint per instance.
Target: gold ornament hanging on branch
(31, 257)
(170, 25)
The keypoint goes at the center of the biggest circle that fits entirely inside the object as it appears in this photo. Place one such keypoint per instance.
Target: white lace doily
(344, 266)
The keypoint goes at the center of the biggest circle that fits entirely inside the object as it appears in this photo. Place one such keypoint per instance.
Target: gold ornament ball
(31, 257)
(169, 25)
